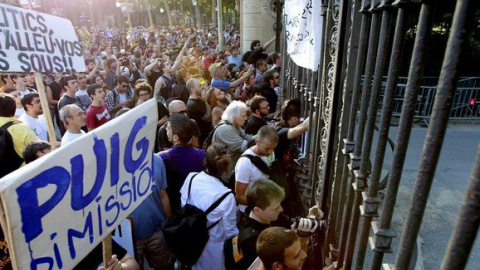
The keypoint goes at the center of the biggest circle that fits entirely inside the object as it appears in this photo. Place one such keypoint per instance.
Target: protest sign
(31, 41)
(55, 210)
(303, 32)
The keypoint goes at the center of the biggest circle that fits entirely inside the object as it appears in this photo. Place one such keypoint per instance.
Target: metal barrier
(466, 102)
(335, 171)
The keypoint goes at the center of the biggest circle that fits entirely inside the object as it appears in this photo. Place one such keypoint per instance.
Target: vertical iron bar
(466, 226)
(342, 155)
(316, 89)
(362, 175)
(332, 92)
(283, 71)
(382, 230)
(371, 55)
(435, 135)
(337, 208)
(389, 98)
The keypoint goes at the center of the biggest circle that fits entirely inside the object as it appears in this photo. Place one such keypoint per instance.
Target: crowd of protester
(220, 125)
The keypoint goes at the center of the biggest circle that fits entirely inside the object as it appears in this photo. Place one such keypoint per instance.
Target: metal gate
(360, 38)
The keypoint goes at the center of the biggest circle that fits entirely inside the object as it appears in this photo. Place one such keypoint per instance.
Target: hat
(214, 66)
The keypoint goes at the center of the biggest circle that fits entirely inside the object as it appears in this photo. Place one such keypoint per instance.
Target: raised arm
(268, 43)
(178, 60)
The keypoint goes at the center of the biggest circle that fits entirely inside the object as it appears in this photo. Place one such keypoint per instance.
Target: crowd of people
(220, 126)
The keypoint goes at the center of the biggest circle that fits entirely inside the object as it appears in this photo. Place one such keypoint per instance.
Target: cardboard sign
(303, 32)
(31, 41)
(55, 210)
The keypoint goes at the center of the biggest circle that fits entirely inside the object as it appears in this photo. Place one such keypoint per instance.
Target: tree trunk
(149, 13)
(214, 13)
(167, 10)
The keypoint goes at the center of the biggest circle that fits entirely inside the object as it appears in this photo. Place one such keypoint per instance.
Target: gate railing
(335, 171)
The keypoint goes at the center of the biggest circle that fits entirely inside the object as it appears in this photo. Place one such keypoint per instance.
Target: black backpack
(275, 172)
(186, 231)
(9, 159)
(292, 204)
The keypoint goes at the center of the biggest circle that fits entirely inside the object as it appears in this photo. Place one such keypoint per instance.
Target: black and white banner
(303, 30)
(31, 41)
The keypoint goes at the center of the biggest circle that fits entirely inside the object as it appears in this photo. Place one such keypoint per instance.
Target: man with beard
(197, 107)
(33, 116)
(271, 79)
(218, 101)
(279, 248)
(260, 109)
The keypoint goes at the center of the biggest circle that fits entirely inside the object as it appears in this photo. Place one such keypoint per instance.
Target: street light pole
(128, 14)
(220, 25)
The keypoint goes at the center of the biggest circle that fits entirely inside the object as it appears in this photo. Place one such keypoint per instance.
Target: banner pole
(46, 108)
(107, 249)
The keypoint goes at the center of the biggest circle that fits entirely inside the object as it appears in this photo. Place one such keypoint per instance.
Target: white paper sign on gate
(31, 41)
(303, 31)
(55, 210)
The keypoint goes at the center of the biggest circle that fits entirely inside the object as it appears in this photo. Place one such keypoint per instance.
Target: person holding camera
(127, 69)
(263, 211)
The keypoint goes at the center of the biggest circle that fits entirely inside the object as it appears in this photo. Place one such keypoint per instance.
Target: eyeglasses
(278, 77)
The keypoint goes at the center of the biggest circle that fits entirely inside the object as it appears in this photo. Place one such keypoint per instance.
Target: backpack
(232, 247)
(209, 139)
(275, 172)
(292, 204)
(9, 159)
(186, 231)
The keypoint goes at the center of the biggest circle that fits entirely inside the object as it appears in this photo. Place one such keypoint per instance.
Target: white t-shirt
(38, 125)
(81, 93)
(19, 112)
(68, 137)
(246, 172)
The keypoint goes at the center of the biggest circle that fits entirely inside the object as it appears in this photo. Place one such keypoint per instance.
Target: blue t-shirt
(149, 214)
(221, 84)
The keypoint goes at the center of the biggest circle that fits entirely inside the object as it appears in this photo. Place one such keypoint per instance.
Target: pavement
(446, 195)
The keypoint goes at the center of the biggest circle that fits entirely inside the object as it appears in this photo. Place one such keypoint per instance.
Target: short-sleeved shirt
(65, 100)
(149, 215)
(68, 137)
(37, 125)
(254, 123)
(97, 116)
(246, 172)
(283, 143)
(221, 84)
(179, 162)
(197, 108)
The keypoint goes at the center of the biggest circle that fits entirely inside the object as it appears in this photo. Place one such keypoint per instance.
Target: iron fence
(365, 38)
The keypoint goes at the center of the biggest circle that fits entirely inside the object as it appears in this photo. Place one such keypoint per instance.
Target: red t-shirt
(97, 116)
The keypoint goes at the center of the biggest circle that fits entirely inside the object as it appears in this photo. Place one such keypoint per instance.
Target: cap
(213, 66)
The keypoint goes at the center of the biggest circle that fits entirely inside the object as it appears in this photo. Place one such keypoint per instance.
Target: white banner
(303, 31)
(55, 210)
(31, 41)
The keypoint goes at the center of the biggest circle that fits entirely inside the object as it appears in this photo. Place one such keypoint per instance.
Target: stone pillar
(257, 18)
